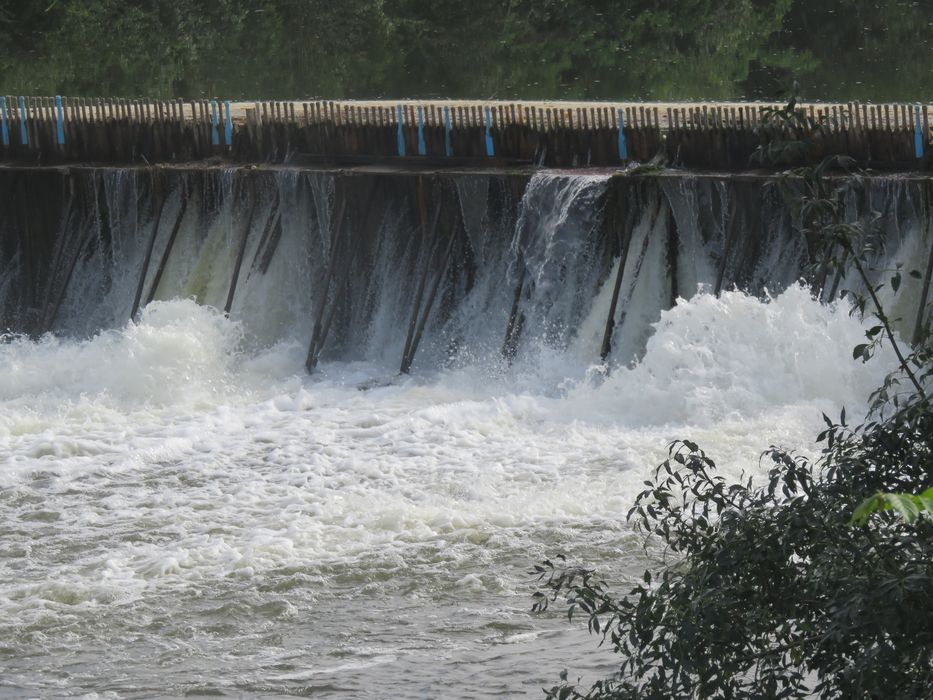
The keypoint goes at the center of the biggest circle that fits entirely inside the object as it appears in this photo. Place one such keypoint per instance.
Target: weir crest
(416, 270)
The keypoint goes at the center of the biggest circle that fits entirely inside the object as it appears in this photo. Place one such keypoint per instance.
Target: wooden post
(36, 130)
(888, 133)
(625, 241)
(858, 134)
(195, 128)
(918, 325)
(316, 343)
(350, 255)
(428, 242)
(60, 298)
(731, 236)
(513, 329)
(156, 194)
(438, 278)
(251, 128)
(4, 117)
(268, 241)
(244, 238)
(926, 124)
(168, 247)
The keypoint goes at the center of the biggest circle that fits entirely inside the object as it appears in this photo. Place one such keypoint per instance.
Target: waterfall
(443, 269)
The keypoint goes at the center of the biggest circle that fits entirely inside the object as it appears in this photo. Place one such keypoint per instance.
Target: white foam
(161, 471)
(250, 465)
(735, 358)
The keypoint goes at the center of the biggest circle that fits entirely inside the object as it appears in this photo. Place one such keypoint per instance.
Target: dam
(425, 203)
(325, 327)
(446, 263)
(291, 403)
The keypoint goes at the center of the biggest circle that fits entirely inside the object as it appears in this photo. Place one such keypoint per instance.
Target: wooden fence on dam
(49, 130)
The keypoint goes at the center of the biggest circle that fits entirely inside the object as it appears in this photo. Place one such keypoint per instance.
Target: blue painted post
(422, 149)
(448, 145)
(918, 133)
(490, 149)
(23, 138)
(401, 132)
(228, 126)
(623, 149)
(3, 117)
(61, 120)
(215, 136)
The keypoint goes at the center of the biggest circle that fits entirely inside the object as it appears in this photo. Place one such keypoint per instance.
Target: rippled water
(180, 516)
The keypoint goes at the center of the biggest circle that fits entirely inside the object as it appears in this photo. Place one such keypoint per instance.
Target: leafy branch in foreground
(840, 245)
(769, 591)
(906, 505)
(787, 589)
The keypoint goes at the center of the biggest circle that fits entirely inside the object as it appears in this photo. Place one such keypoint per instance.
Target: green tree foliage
(769, 592)
(877, 49)
(570, 49)
(281, 48)
(907, 505)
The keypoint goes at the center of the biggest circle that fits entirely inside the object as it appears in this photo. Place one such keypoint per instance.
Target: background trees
(571, 49)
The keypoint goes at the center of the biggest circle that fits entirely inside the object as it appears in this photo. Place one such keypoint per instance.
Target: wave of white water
(172, 503)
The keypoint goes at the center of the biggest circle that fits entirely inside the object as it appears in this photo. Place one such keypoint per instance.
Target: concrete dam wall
(421, 269)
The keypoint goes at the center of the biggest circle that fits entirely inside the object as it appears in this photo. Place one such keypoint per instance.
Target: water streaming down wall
(429, 269)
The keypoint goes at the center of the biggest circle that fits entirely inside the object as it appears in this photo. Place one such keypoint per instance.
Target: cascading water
(483, 263)
(185, 510)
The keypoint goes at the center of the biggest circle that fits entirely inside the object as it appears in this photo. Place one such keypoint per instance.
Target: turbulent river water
(180, 517)
(184, 511)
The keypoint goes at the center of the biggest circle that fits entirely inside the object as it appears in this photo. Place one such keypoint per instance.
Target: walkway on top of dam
(443, 133)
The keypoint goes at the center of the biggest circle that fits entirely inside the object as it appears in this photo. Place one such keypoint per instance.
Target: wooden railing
(721, 136)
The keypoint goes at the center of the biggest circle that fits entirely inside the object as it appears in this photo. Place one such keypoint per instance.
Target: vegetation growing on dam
(682, 49)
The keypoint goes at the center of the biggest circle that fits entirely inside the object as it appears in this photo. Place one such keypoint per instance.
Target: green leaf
(903, 504)
(866, 508)
(925, 501)
(908, 506)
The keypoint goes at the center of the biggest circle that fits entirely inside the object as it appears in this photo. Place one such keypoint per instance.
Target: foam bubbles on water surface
(179, 352)
(735, 357)
(160, 482)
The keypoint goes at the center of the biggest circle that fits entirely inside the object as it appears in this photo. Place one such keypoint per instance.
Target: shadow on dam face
(421, 267)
